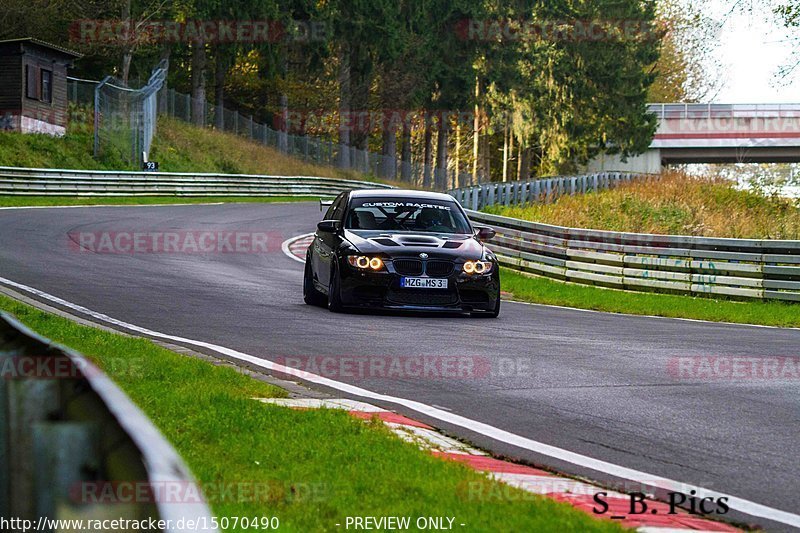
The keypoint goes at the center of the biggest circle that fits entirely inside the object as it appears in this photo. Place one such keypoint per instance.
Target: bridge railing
(73, 446)
(699, 111)
(543, 190)
(32, 181)
(743, 268)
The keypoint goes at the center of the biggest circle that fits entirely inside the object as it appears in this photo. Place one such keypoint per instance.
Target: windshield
(406, 214)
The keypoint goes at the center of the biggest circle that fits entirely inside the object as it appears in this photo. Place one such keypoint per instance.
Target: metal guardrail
(35, 181)
(66, 428)
(540, 190)
(744, 268)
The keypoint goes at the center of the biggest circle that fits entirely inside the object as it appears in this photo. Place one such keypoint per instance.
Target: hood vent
(419, 241)
(452, 244)
(385, 242)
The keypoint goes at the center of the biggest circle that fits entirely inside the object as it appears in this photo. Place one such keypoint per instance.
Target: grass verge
(177, 146)
(548, 291)
(675, 204)
(322, 464)
(45, 201)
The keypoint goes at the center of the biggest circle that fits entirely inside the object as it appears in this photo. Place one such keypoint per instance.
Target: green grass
(676, 204)
(177, 146)
(353, 468)
(548, 291)
(21, 201)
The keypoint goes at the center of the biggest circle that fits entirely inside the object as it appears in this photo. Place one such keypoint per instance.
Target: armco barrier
(65, 426)
(745, 268)
(34, 181)
(539, 190)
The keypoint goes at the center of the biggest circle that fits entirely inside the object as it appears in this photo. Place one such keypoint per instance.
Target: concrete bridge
(716, 133)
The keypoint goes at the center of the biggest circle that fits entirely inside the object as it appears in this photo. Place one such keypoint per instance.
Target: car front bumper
(464, 293)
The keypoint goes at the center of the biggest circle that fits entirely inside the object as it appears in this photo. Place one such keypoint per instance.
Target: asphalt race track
(592, 383)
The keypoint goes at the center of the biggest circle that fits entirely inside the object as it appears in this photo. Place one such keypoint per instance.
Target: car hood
(398, 244)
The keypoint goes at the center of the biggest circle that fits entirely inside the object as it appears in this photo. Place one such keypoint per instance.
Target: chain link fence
(126, 123)
(125, 119)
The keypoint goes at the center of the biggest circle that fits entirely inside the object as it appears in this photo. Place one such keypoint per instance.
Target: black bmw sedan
(399, 249)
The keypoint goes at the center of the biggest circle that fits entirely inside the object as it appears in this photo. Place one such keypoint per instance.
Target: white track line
(736, 503)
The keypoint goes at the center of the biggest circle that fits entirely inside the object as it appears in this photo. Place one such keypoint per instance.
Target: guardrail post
(66, 422)
(5, 460)
(30, 401)
(63, 452)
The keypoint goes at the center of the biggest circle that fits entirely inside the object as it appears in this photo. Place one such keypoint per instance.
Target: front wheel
(310, 293)
(334, 293)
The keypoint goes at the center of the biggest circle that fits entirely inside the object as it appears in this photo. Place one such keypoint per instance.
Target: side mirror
(485, 233)
(328, 226)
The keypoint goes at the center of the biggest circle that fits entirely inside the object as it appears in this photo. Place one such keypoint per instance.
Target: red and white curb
(295, 248)
(577, 493)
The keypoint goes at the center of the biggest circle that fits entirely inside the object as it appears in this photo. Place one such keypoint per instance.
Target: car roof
(400, 193)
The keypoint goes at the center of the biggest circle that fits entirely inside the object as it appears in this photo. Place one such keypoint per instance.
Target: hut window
(31, 88)
(47, 86)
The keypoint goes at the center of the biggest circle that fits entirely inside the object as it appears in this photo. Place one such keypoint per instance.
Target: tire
(334, 293)
(310, 293)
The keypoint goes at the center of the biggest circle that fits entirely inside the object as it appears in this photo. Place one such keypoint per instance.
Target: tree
(687, 69)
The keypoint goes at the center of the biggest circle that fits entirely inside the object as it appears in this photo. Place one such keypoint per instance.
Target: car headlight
(365, 262)
(477, 267)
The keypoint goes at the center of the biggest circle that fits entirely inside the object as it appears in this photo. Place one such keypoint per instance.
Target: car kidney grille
(408, 267)
(439, 269)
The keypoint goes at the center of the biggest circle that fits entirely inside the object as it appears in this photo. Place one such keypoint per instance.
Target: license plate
(424, 283)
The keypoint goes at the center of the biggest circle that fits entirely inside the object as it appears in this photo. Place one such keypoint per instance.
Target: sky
(752, 49)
